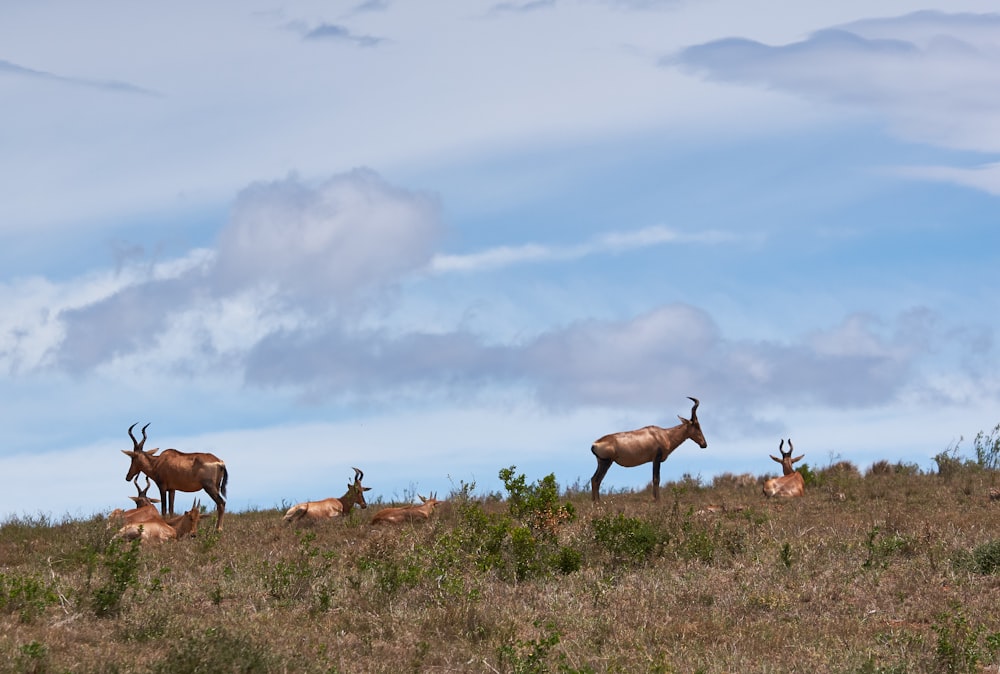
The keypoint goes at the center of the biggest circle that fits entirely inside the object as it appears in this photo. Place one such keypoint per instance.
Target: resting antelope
(157, 529)
(141, 502)
(314, 511)
(649, 444)
(174, 471)
(408, 513)
(790, 484)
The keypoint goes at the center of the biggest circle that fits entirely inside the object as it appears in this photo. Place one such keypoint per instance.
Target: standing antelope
(790, 484)
(156, 529)
(407, 513)
(174, 471)
(652, 443)
(314, 511)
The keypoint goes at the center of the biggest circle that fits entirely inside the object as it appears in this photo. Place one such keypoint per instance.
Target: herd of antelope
(172, 471)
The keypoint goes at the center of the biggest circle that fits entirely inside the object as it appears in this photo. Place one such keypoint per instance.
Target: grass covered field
(897, 570)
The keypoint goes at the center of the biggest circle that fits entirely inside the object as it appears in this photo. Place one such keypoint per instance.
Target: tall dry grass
(893, 571)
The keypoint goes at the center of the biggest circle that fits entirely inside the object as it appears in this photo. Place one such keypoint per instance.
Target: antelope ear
(151, 452)
(773, 457)
(683, 420)
(154, 500)
(135, 498)
(366, 489)
(798, 458)
(128, 452)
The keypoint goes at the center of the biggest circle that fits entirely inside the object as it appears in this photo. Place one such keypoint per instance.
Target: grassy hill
(894, 571)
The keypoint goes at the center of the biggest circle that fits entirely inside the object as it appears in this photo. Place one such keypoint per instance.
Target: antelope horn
(135, 443)
(358, 475)
(694, 410)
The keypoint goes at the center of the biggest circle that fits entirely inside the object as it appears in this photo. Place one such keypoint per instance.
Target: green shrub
(568, 560)
(984, 559)
(121, 560)
(536, 505)
(629, 540)
(957, 649)
(987, 448)
(25, 595)
(214, 650)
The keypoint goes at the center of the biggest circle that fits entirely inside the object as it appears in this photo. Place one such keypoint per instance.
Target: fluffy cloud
(934, 77)
(351, 234)
(288, 250)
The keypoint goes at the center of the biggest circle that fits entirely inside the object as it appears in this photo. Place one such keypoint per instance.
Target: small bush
(984, 559)
(214, 650)
(987, 448)
(25, 595)
(809, 477)
(121, 560)
(957, 642)
(628, 540)
(536, 505)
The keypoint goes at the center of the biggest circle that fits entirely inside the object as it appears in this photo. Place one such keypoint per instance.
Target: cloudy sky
(433, 240)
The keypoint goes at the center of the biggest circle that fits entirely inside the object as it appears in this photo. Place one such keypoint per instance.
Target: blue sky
(436, 241)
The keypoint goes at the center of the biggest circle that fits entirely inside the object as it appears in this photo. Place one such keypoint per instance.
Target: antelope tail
(225, 480)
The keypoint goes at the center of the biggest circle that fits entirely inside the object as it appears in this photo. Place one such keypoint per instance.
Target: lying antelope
(174, 471)
(649, 444)
(141, 501)
(790, 484)
(313, 511)
(408, 513)
(156, 529)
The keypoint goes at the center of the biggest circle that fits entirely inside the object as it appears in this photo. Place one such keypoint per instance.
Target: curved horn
(136, 445)
(358, 475)
(694, 410)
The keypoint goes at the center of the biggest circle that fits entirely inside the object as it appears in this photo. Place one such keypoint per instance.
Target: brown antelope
(786, 460)
(141, 501)
(156, 529)
(790, 484)
(174, 471)
(408, 513)
(313, 511)
(649, 444)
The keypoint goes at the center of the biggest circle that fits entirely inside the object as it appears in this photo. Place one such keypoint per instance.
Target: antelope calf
(311, 512)
(790, 484)
(645, 445)
(408, 513)
(156, 529)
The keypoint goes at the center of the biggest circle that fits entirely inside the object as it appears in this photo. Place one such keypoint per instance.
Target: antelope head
(786, 459)
(142, 499)
(691, 426)
(357, 489)
(140, 458)
(188, 523)
(429, 502)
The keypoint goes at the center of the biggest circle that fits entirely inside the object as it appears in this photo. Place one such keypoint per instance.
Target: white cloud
(349, 234)
(613, 242)
(934, 77)
(985, 177)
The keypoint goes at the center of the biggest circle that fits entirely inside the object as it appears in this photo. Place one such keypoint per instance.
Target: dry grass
(890, 572)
